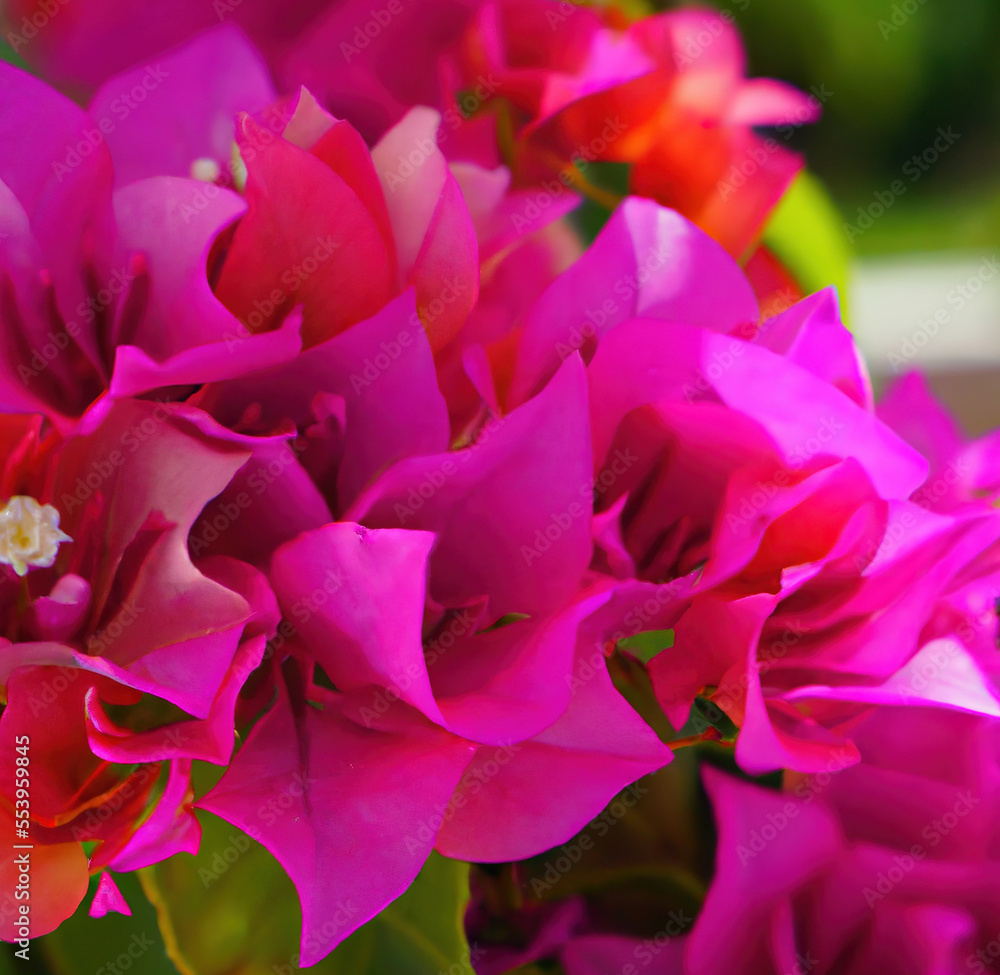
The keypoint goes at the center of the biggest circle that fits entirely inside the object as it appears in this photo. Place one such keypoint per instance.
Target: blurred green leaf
(83, 945)
(806, 233)
(611, 180)
(706, 714)
(953, 221)
(422, 932)
(232, 910)
(506, 620)
(7, 54)
(645, 646)
(10, 40)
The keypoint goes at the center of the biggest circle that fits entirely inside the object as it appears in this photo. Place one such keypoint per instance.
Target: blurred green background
(895, 77)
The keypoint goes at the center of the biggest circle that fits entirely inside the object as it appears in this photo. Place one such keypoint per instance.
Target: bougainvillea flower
(339, 222)
(666, 95)
(446, 661)
(336, 219)
(353, 399)
(837, 872)
(374, 374)
(122, 341)
(429, 247)
(147, 316)
(91, 277)
(98, 641)
(356, 404)
(322, 434)
(704, 475)
(687, 126)
(388, 785)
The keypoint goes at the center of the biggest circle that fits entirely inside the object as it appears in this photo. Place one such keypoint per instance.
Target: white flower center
(29, 534)
(205, 169)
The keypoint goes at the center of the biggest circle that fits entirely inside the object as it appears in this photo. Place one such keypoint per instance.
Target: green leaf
(707, 714)
(805, 232)
(506, 620)
(8, 54)
(611, 181)
(645, 646)
(232, 910)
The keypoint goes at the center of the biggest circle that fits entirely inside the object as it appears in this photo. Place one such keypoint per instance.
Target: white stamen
(205, 169)
(238, 169)
(29, 534)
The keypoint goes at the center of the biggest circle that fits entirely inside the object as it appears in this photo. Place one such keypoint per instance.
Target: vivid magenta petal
(190, 98)
(108, 898)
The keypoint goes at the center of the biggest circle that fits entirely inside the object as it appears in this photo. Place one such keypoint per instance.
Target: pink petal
(171, 828)
(668, 361)
(435, 237)
(812, 334)
(755, 872)
(523, 493)
(478, 677)
(941, 673)
(65, 192)
(108, 898)
(358, 814)
(306, 213)
(547, 789)
(208, 740)
(240, 353)
(764, 101)
(647, 261)
(160, 117)
(366, 628)
(181, 310)
(59, 615)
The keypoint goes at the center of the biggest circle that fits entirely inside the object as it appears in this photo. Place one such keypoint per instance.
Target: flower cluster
(323, 432)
